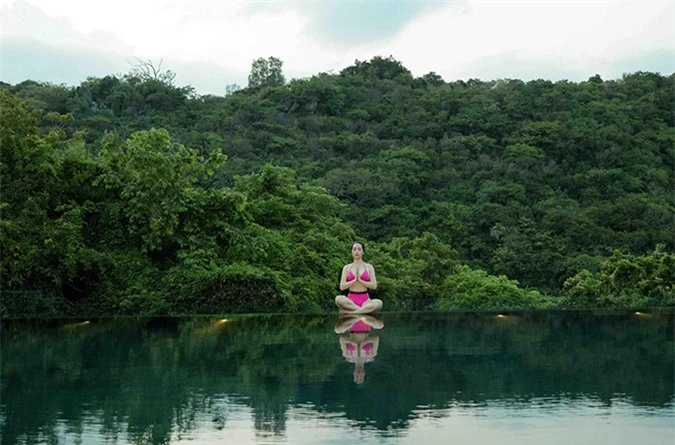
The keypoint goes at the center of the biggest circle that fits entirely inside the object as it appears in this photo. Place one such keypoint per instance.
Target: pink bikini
(360, 326)
(366, 350)
(358, 297)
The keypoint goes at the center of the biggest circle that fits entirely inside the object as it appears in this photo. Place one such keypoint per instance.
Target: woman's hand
(344, 284)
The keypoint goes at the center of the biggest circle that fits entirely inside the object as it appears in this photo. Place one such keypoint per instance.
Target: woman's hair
(361, 244)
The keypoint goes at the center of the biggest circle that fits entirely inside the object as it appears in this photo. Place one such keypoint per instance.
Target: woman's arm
(344, 284)
(376, 345)
(345, 350)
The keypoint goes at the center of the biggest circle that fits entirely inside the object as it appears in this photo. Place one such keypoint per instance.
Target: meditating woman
(359, 278)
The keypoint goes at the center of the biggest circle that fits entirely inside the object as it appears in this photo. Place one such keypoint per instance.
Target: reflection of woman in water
(359, 347)
(358, 277)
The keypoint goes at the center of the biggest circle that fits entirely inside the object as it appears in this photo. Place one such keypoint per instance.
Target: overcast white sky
(210, 44)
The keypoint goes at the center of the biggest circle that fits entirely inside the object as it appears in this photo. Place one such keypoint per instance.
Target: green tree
(44, 204)
(476, 290)
(266, 73)
(154, 177)
(625, 280)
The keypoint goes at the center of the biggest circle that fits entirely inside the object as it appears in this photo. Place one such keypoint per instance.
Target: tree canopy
(128, 194)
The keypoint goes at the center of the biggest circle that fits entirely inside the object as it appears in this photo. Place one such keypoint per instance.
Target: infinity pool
(430, 378)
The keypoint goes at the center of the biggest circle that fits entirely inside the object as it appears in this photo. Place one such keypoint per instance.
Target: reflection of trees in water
(549, 354)
(146, 380)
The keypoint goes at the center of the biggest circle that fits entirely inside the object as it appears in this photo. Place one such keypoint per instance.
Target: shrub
(470, 289)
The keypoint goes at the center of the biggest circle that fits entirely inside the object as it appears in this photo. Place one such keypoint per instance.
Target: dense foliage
(129, 195)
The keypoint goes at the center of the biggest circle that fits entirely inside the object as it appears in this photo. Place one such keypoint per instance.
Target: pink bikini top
(364, 276)
(366, 350)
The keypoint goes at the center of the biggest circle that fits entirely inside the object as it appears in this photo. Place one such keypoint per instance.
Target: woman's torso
(364, 276)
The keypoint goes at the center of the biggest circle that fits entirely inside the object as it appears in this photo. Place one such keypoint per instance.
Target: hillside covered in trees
(130, 195)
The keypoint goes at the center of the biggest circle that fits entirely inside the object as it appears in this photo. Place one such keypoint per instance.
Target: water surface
(469, 378)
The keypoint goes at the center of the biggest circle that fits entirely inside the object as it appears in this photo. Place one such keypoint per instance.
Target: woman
(359, 278)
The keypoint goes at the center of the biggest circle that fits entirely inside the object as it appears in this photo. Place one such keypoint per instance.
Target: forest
(130, 195)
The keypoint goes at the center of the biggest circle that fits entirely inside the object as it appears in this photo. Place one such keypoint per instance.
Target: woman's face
(357, 250)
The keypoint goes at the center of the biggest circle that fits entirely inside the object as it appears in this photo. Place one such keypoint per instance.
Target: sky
(210, 44)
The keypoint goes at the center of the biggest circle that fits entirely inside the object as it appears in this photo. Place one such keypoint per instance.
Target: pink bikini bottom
(360, 326)
(358, 298)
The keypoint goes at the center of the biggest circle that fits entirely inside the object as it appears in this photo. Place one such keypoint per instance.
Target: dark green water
(527, 378)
